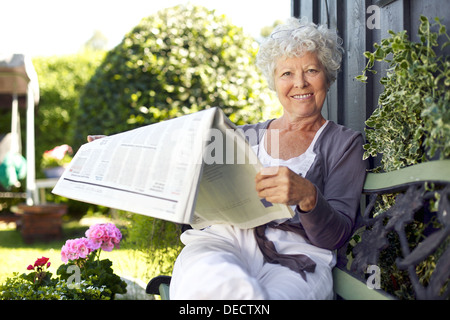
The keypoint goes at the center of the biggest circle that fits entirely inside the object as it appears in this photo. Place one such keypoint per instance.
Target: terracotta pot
(42, 222)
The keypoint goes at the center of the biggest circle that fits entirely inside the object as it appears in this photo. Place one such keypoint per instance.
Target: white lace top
(300, 164)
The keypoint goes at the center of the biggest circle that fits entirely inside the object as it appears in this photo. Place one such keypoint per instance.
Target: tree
(178, 61)
(98, 41)
(267, 30)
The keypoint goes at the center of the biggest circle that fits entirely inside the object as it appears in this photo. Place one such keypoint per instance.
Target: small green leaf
(362, 78)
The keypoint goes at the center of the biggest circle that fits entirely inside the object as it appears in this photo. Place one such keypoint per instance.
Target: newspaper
(197, 169)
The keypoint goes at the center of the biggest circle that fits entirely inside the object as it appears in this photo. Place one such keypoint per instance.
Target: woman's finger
(91, 138)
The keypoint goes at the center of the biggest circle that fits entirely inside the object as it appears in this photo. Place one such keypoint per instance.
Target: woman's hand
(91, 138)
(281, 185)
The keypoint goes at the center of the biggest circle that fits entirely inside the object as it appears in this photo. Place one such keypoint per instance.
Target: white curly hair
(294, 38)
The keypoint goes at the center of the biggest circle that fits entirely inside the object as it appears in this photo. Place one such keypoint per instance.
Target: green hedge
(61, 81)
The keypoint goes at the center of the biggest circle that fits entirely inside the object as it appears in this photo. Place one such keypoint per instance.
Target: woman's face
(301, 85)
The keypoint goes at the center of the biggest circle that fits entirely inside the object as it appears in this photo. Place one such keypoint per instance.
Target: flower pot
(41, 222)
(54, 172)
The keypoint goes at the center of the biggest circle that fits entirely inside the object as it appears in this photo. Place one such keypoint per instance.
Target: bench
(352, 279)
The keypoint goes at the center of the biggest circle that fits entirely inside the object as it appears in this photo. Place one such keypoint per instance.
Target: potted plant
(55, 160)
(83, 276)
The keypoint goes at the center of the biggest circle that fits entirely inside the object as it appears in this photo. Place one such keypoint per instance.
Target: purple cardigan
(338, 172)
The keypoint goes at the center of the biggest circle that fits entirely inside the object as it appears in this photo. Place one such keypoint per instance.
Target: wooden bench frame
(409, 182)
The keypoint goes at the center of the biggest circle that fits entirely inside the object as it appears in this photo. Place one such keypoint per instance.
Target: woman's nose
(300, 81)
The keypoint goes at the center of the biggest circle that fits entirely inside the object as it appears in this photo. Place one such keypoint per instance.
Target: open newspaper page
(153, 170)
(198, 162)
(227, 191)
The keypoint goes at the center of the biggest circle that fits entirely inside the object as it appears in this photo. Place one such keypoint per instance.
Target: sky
(56, 27)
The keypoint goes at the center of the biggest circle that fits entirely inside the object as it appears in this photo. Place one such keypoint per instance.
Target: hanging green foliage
(412, 121)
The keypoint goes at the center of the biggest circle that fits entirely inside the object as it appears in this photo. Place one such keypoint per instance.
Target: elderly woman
(311, 164)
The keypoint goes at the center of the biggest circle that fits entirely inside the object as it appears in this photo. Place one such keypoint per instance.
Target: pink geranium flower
(99, 236)
(74, 249)
(105, 236)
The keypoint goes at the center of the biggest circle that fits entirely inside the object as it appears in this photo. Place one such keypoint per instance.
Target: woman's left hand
(91, 138)
(282, 185)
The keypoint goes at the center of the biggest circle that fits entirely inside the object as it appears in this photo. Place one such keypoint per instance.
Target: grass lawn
(16, 255)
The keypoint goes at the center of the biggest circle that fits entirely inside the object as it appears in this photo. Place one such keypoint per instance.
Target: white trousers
(223, 262)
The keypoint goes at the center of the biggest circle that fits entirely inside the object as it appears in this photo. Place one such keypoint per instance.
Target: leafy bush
(18, 288)
(178, 61)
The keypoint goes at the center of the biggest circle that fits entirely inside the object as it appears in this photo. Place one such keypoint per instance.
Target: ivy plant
(412, 121)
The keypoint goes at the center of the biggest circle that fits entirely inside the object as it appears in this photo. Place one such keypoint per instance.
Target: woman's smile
(302, 96)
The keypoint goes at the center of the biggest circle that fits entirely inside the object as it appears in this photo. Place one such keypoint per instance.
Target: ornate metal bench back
(413, 183)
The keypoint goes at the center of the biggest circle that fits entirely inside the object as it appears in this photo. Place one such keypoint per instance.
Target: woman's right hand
(282, 185)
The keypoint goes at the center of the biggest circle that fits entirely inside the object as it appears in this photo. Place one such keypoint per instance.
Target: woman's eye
(312, 71)
(287, 73)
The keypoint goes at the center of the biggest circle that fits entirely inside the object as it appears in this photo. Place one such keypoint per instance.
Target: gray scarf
(296, 262)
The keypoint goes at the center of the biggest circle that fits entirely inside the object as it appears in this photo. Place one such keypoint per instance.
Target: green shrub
(178, 61)
(18, 288)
